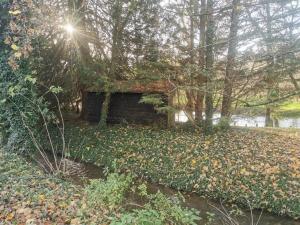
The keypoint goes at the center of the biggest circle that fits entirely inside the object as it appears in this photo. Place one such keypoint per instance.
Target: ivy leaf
(13, 90)
(55, 90)
(30, 79)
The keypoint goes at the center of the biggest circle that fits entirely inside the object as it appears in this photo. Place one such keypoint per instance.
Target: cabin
(125, 105)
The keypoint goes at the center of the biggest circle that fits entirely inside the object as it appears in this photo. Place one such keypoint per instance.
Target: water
(246, 121)
(80, 173)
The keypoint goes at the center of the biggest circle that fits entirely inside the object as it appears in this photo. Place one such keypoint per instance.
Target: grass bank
(283, 110)
(289, 109)
(243, 166)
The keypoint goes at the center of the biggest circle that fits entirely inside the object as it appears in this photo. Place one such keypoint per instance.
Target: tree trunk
(229, 73)
(201, 78)
(115, 60)
(269, 78)
(190, 103)
(105, 110)
(210, 36)
(83, 104)
(268, 121)
(190, 92)
(199, 106)
(171, 113)
(77, 10)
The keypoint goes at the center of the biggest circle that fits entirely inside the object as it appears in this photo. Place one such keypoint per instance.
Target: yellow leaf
(205, 168)
(193, 162)
(243, 171)
(75, 221)
(10, 216)
(18, 54)
(16, 12)
(42, 197)
(14, 47)
(7, 41)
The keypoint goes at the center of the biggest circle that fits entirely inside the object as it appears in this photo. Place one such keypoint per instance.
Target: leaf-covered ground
(244, 166)
(29, 196)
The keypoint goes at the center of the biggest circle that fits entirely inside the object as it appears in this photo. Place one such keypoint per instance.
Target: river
(246, 121)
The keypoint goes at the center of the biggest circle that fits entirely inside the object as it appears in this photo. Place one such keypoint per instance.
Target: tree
(272, 32)
(201, 76)
(231, 55)
(210, 37)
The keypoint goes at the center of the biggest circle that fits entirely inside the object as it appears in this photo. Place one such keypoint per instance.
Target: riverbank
(29, 196)
(241, 165)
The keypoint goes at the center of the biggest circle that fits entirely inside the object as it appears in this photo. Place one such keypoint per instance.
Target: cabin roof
(136, 86)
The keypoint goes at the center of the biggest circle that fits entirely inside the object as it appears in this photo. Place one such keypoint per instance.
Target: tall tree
(210, 38)
(77, 17)
(201, 78)
(231, 55)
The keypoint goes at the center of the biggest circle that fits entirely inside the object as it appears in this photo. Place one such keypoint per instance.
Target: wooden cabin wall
(93, 104)
(124, 108)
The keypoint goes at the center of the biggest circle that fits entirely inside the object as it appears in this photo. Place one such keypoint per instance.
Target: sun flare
(69, 28)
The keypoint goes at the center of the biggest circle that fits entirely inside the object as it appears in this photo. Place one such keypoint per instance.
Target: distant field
(291, 109)
(287, 109)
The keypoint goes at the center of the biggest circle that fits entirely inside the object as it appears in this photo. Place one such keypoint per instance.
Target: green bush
(108, 193)
(18, 112)
(223, 124)
(139, 217)
(158, 210)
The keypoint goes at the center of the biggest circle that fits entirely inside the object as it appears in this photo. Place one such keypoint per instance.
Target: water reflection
(246, 121)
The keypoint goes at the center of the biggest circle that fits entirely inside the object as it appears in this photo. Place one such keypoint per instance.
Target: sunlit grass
(289, 109)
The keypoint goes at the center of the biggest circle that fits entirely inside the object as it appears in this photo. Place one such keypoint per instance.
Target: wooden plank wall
(93, 104)
(124, 108)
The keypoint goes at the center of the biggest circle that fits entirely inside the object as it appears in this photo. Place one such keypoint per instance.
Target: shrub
(109, 193)
(159, 210)
(223, 125)
(16, 109)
